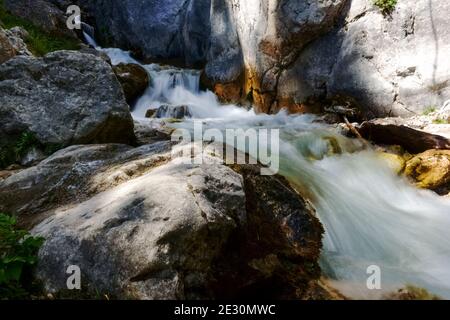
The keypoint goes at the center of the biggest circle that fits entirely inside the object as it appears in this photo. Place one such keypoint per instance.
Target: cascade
(371, 215)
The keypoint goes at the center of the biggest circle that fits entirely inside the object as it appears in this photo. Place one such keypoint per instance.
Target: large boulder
(62, 99)
(133, 78)
(147, 223)
(62, 179)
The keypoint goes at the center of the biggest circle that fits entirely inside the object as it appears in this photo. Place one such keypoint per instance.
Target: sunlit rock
(431, 170)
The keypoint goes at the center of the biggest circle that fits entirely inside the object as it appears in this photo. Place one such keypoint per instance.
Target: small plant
(39, 42)
(26, 141)
(386, 6)
(440, 121)
(429, 110)
(17, 148)
(18, 256)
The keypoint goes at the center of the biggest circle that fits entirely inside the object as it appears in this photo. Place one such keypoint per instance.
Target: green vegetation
(26, 142)
(440, 121)
(386, 6)
(39, 42)
(19, 148)
(429, 110)
(18, 256)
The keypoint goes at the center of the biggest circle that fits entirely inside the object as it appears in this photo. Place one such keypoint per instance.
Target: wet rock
(133, 78)
(151, 113)
(412, 140)
(261, 257)
(173, 112)
(431, 170)
(62, 99)
(230, 92)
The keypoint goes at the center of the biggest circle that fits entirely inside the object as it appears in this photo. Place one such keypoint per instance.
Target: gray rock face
(225, 61)
(172, 29)
(62, 99)
(272, 34)
(145, 223)
(393, 65)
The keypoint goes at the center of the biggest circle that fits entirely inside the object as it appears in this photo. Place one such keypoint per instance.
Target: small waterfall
(371, 215)
(116, 55)
(169, 86)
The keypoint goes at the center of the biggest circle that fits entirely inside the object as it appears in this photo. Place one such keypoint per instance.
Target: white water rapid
(370, 214)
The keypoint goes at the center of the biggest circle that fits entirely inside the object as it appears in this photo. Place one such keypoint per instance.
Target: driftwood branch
(354, 131)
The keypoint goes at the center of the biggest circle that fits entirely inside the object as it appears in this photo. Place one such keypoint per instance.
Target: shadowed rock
(62, 99)
(133, 78)
(412, 140)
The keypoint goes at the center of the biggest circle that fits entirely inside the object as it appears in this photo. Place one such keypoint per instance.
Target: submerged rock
(133, 78)
(172, 112)
(431, 170)
(62, 99)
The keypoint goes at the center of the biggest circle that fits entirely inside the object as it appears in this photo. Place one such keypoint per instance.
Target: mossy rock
(430, 170)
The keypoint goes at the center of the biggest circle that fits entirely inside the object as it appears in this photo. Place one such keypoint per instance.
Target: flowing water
(371, 215)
